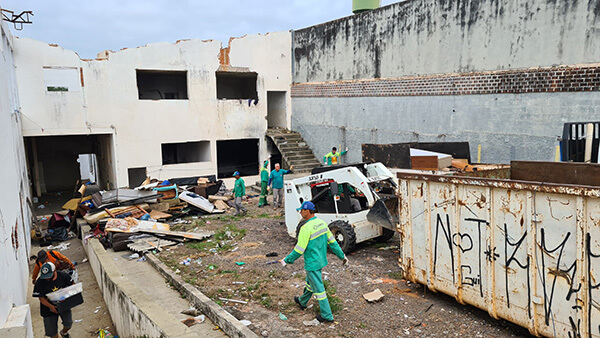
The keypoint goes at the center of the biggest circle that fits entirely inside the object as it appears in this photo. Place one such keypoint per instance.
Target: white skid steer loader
(358, 201)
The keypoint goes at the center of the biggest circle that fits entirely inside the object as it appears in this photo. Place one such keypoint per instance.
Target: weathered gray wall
(509, 127)
(421, 37)
(447, 36)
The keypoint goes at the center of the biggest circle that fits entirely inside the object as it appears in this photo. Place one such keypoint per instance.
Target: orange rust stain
(81, 76)
(52, 45)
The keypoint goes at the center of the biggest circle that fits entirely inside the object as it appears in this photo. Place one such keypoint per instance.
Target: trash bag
(59, 234)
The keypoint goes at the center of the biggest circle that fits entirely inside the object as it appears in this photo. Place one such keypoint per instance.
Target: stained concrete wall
(509, 127)
(15, 216)
(106, 100)
(448, 36)
(420, 37)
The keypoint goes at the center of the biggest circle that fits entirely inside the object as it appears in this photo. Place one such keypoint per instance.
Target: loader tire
(344, 234)
(300, 224)
(387, 235)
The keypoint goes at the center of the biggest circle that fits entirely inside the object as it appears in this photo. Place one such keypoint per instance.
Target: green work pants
(314, 284)
(263, 194)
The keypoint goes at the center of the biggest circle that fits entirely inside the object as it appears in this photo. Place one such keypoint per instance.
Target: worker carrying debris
(313, 239)
(264, 183)
(333, 157)
(60, 261)
(239, 192)
(52, 280)
(276, 179)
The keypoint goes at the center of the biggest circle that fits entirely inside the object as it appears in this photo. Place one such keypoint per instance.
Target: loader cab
(349, 198)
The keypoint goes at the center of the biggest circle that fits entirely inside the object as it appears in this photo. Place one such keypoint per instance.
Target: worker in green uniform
(313, 240)
(239, 192)
(333, 157)
(264, 184)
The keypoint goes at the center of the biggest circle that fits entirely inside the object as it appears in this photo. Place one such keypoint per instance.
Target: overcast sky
(89, 27)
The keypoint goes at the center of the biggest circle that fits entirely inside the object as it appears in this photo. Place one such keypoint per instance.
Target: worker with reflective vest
(333, 157)
(313, 239)
(264, 184)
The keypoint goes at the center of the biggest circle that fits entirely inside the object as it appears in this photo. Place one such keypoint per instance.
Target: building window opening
(188, 152)
(236, 85)
(237, 155)
(162, 85)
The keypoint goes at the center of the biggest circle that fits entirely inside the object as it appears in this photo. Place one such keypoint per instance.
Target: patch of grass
(233, 272)
(190, 280)
(229, 232)
(274, 273)
(361, 325)
(253, 287)
(301, 276)
(200, 246)
(219, 302)
(263, 215)
(396, 275)
(265, 300)
(335, 303)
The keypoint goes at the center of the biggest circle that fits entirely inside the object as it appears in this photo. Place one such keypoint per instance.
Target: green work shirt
(313, 239)
(264, 173)
(276, 178)
(333, 159)
(239, 190)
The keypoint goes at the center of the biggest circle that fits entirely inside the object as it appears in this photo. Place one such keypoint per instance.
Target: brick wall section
(534, 80)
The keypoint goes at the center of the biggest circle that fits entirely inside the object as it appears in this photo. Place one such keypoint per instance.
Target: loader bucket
(380, 213)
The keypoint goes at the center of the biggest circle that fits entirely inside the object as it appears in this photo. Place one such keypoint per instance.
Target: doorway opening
(276, 108)
(237, 155)
(56, 163)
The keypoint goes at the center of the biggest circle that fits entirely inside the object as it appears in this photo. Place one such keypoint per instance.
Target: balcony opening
(162, 85)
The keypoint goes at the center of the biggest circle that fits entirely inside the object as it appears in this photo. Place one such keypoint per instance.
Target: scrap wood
(142, 245)
(94, 218)
(233, 300)
(163, 206)
(213, 198)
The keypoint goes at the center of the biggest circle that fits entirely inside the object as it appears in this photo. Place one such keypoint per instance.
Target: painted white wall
(107, 101)
(14, 215)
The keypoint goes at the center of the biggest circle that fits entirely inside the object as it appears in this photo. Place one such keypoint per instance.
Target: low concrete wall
(18, 323)
(228, 323)
(133, 312)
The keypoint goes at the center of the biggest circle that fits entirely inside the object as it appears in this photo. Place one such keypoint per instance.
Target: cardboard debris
(194, 320)
(155, 214)
(221, 205)
(163, 206)
(73, 203)
(374, 296)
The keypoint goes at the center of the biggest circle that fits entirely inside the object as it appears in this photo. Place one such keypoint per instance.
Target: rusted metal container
(523, 251)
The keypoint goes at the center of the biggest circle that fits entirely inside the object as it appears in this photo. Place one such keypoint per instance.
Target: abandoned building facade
(504, 75)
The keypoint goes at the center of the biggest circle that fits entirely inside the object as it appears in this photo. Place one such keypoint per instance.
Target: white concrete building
(15, 216)
(163, 110)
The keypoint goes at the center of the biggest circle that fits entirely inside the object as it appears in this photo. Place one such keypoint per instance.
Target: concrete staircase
(293, 149)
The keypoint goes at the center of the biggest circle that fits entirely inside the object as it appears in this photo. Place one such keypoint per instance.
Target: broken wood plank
(213, 198)
(187, 235)
(159, 215)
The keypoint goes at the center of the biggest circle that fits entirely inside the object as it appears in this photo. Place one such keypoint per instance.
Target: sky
(89, 27)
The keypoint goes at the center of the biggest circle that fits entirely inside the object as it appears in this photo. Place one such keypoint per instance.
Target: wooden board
(556, 172)
(155, 214)
(186, 235)
(424, 162)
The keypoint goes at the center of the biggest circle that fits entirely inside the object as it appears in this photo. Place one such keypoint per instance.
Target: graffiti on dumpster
(450, 243)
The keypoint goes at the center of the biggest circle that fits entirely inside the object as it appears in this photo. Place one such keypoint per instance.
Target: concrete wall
(456, 41)
(509, 127)
(106, 100)
(15, 216)
(448, 36)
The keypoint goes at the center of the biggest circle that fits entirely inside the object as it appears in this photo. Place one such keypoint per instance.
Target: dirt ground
(233, 265)
(88, 317)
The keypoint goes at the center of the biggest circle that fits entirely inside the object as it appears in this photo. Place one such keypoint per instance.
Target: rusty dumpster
(527, 252)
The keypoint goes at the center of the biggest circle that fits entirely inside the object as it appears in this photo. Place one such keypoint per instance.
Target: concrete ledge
(228, 323)
(134, 313)
(18, 323)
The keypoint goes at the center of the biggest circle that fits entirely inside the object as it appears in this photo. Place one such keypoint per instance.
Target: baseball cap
(47, 270)
(307, 206)
(236, 173)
